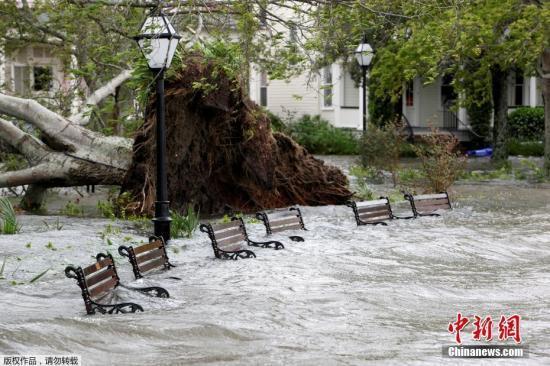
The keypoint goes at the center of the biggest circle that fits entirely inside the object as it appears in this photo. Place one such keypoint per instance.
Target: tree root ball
(222, 153)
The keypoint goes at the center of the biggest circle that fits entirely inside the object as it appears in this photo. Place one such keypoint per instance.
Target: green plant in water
(184, 225)
(50, 246)
(2, 268)
(37, 277)
(72, 209)
(109, 230)
(56, 225)
(8, 218)
(106, 209)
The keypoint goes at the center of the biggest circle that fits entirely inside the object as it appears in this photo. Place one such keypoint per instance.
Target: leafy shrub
(277, 123)
(318, 136)
(442, 163)
(381, 148)
(524, 148)
(8, 218)
(184, 225)
(527, 124)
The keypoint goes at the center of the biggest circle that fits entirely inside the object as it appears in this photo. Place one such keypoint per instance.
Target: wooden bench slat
(152, 264)
(374, 214)
(97, 266)
(288, 227)
(432, 208)
(103, 287)
(284, 221)
(430, 196)
(230, 240)
(228, 233)
(370, 203)
(431, 202)
(147, 247)
(225, 225)
(383, 208)
(98, 277)
(157, 253)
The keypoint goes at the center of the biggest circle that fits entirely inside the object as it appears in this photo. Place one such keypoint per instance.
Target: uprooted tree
(221, 150)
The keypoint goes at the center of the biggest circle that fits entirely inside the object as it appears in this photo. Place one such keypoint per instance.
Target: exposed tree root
(222, 152)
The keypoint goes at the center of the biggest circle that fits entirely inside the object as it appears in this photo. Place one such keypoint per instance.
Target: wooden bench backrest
(282, 220)
(151, 256)
(101, 277)
(428, 203)
(227, 236)
(372, 211)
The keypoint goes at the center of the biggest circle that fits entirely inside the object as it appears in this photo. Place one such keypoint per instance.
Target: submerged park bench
(99, 279)
(147, 257)
(227, 240)
(374, 212)
(281, 220)
(427, 204)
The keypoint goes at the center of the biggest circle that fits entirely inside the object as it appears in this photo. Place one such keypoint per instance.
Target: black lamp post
(158, 41)
(364, 55)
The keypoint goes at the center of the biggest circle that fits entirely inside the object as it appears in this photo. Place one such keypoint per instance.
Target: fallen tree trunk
(222, 152)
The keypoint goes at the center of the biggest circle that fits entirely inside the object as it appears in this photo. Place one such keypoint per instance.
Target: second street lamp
(158, 41)
(364, 55)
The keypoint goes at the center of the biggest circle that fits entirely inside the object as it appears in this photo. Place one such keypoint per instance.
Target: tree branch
(83, 117)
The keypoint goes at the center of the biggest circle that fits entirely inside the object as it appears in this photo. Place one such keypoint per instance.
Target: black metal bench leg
(267, 244)
(123, 308)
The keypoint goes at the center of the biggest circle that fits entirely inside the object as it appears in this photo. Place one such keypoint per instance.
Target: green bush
(318, 136)
(527, 124)
(524, 148)
(277, 123)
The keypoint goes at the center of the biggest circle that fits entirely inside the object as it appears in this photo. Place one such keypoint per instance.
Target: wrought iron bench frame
(104, 284)
(437, 201)
(236, 227)
(153, 254)
(263, 216)
(375, 204)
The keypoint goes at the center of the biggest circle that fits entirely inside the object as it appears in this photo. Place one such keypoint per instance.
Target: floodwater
(348, 295)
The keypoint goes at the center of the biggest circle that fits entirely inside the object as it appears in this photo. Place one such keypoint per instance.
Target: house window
(42, 78)
(32, 78)
(22, 79)
(448, 94)
(263, 89)
(351, 92)
(518, 89)
(409, 94)
(327, 86)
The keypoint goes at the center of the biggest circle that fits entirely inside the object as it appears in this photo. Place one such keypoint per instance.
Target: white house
(332, 94)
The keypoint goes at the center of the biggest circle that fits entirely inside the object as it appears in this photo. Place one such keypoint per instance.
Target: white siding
(295, 96)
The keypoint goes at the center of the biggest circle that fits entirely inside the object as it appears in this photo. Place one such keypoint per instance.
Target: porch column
(533, 91)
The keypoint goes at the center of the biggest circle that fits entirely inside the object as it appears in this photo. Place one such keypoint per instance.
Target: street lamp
(158, 41)
(364, 55)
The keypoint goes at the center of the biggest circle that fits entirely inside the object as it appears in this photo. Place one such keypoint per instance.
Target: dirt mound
(222, 152)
